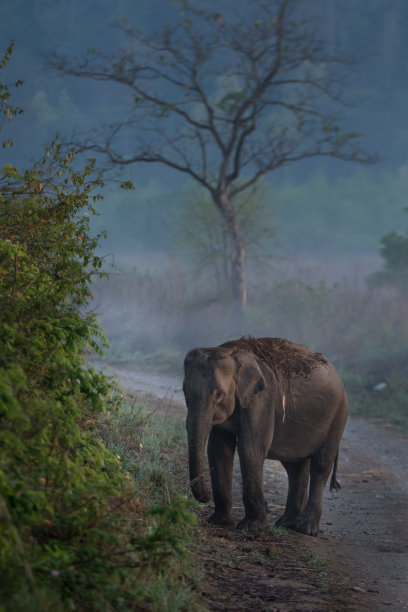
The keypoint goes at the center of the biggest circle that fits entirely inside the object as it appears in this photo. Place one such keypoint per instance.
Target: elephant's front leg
(252, 459)
(221, 450)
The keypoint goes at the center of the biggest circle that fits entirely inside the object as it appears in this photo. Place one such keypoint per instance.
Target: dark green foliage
(70, 538)
(385, 405)
(394, 252)
(56, 480)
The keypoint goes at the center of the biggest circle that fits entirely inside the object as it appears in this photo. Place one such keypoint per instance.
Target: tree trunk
(238, 283)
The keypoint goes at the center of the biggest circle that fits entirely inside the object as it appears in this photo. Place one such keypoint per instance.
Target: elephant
(271, 399)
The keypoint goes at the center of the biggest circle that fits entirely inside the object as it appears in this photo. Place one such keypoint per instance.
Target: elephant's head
(216, 380)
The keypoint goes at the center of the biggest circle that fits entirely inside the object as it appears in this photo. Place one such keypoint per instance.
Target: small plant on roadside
(277, 531)
(317, 562)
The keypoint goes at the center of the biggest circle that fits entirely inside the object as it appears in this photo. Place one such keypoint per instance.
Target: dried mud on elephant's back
(286, 359)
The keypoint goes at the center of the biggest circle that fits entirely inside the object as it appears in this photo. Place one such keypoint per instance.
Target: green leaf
(127, 185)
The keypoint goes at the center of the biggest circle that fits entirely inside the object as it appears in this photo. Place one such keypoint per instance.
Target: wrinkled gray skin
(235, 401)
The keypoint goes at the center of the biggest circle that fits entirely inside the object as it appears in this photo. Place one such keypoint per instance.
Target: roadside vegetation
(89, 518)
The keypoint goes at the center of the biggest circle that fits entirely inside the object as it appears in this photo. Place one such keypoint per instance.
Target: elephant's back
(285, 358)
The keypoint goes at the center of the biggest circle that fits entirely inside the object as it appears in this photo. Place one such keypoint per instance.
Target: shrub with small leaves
(70, 535)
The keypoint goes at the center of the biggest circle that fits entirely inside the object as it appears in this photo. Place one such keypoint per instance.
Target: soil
(359, 561)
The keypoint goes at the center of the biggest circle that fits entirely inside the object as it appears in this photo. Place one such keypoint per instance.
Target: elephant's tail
(333, 482)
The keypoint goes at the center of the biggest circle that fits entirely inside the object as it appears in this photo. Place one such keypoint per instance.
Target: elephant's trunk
(197, 431)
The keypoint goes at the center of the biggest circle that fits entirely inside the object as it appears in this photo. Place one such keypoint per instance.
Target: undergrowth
(147, 447)
(383, 400)
(88, 521)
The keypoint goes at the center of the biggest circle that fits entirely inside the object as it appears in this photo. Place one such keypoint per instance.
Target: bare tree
(207, 246)
(225, 100)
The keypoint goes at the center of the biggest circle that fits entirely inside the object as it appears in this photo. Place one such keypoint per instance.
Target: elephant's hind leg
(319, 473)
(321, 465)
(221, 450)
(298, 476)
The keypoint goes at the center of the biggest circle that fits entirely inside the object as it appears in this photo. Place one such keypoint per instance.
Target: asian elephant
(270, 399)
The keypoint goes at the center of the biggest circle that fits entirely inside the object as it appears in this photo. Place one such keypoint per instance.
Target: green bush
(394, 252)
(71, 535)
(56, 479)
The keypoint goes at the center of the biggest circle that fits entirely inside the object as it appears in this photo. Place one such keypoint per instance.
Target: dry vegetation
(153, 318)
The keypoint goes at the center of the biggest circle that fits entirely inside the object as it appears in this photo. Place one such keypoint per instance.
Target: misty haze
(250, 177)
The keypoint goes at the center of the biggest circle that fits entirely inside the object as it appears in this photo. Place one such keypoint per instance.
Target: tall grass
(330, 310)
(147, 445)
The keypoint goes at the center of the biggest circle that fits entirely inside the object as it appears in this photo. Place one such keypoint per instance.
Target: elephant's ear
(250, 380)
(189, 360)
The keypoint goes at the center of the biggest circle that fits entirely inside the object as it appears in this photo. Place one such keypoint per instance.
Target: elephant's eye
(219, 395)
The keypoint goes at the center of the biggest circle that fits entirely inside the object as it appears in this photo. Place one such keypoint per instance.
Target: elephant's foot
(288, 522)
(253, 525)
(309, 525)
(218, 518)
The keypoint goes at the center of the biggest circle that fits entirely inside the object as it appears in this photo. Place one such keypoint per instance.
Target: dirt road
(364, 527)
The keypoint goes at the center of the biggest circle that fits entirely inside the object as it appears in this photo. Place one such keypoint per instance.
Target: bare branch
(214, 98)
